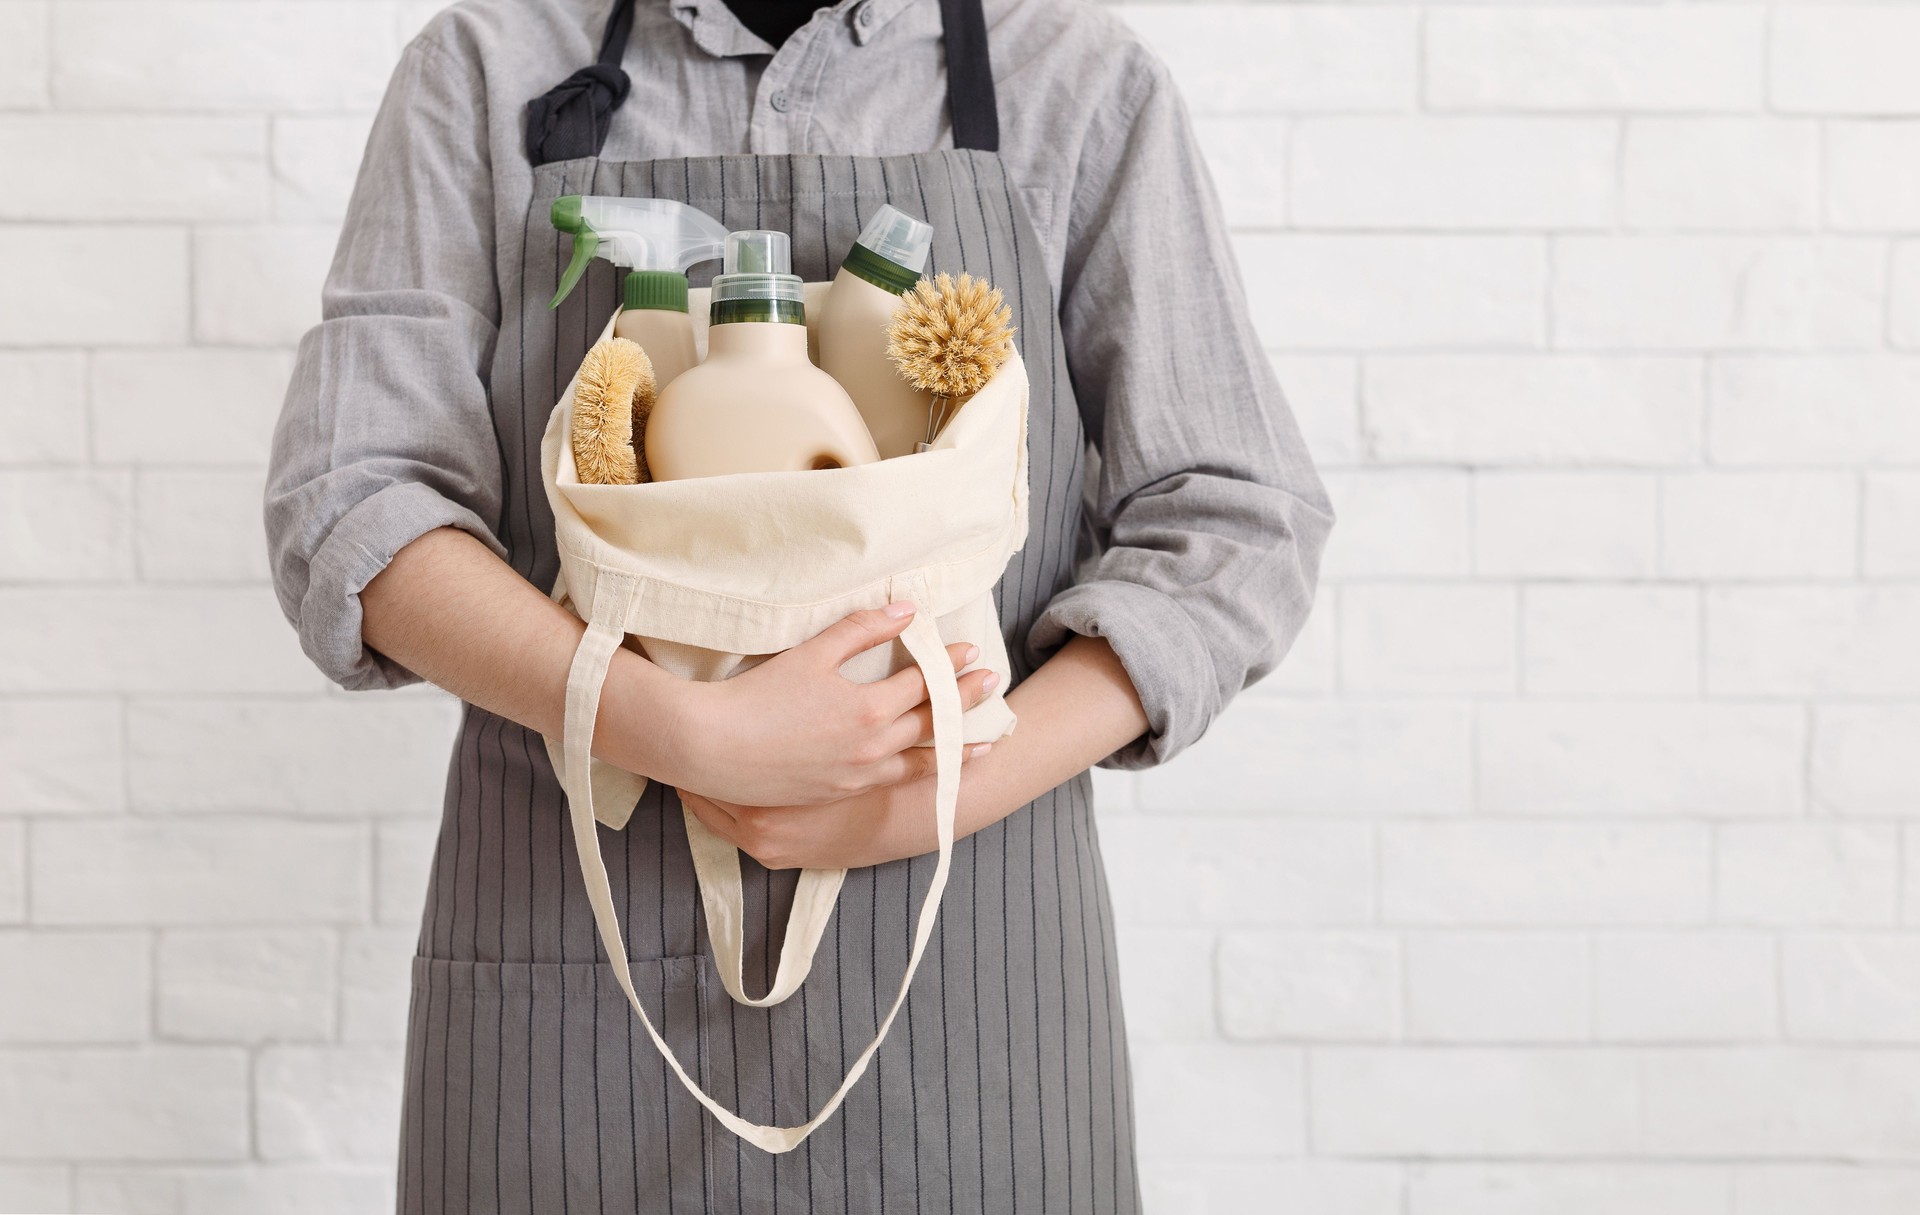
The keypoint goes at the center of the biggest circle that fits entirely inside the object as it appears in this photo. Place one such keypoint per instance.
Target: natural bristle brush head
(609, 407)
(950, 335)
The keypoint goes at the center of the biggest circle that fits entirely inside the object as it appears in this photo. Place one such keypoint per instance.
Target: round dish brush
(948, 337)
(610, 406)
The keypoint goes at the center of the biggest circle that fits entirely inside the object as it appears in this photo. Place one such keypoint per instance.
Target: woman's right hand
(794, 731)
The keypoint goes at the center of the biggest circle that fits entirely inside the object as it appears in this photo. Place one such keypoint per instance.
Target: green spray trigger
(586, 242)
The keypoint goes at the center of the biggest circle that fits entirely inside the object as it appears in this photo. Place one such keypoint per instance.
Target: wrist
(646, 714)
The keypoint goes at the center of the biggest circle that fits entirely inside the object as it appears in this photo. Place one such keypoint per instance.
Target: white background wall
(1569, 865)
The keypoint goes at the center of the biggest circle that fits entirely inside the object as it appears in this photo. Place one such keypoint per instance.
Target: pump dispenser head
(892, 250)
(757, 282)
(656, 238)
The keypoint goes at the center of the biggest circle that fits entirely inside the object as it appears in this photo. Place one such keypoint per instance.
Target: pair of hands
(798, 766)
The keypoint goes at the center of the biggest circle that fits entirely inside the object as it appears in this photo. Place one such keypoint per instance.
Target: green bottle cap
(662, 290)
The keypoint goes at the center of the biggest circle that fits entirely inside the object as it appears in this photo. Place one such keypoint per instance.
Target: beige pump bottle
(883, 263)
(757, 404)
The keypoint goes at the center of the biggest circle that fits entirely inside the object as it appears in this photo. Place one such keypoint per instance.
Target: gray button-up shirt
(1209, 516)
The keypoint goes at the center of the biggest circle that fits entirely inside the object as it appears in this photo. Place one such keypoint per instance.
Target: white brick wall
(1567, 865)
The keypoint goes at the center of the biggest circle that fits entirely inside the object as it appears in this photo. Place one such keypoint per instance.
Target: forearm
(1076, 709)
(452, 612)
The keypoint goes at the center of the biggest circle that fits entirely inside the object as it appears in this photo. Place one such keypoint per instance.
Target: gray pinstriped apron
(1004, 1086)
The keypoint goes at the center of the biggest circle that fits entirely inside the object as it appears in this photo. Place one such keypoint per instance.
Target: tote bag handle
(614, 596)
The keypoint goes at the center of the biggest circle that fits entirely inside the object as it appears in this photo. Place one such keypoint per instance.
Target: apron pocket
(530, 1086)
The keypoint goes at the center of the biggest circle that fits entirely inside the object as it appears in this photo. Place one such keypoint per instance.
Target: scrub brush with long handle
(611, 402)
(948, 337)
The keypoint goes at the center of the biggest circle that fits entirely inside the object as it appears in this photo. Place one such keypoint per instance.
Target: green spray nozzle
(640, 234)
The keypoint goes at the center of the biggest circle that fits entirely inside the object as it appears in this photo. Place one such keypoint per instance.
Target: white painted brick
(259, 285)
(248, 1189)
(1604, 57)
(1321, 758)
(1873, 175)
(1471, 1101)
(60, 755)
(158, 167)
(1820, 1189)
(66, 525)
(1806, 873)
(111, 1103)
(13, 872)
(278, 756)
(1398, 523)
(1770, 1102)
(34, 1187)
(1903, 307)
(1844, 410)
(148, 640)
(182, 871)
(24, 63)
(315, 158)
(1324, 394)
(1497, 987)
(1481, 173)
(1366, 292)
(247, 985)
(376, 984)
(1537, 873)
(200, 526)
(1806, 641)
(328, 1102)
(188, 406)
(1339, 986)
(1892, 526)
(1565, 525)
(1723, 526)
(1910, 863)
(1717, 292)
(1632, 758)
(1167, 984)
(1863, 759)
(1546, 409)
(1610, 640)
(1844, 59)
(1197, 871)
(1680, 987)
(205, 55)
(1113, 793)
(43, 417)
(403, 860)
(51, 293)
(1844, 988)
(1565, 1189)
(1212, 1098)
(75, 987)
(1308, 669)
(1721, 174)
(1236, 59)
(1431, 638)
(1246, 158)
(1213, 1186)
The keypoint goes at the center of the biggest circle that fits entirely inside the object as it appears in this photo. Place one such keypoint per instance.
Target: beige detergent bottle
(656, 240)
(757, 404)
(883, 263)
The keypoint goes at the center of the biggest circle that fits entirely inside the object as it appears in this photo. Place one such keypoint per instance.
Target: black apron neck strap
(571, 120)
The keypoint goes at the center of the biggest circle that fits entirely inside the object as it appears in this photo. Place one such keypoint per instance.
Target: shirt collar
(717, 31)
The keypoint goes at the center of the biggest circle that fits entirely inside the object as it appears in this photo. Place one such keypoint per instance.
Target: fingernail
(980, 749)
(899, 609)
(973, 652)
(990, 682)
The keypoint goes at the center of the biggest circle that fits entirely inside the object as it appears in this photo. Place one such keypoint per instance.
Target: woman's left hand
(883, 824)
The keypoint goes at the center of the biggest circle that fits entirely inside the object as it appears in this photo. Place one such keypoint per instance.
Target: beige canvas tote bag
(708, 576)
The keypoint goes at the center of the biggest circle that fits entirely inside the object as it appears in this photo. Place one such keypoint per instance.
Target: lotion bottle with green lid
(757, 404)
(657, 239)
(885, 262)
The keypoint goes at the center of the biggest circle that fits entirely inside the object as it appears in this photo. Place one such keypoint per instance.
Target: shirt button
(780, 102)
(866, 15)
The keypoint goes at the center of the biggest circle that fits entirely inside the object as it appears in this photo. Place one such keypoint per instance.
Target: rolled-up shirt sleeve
(384, 433)
(1206, 516)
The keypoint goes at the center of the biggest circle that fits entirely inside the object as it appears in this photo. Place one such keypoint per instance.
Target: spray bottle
(656, 240)
(885, 261)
